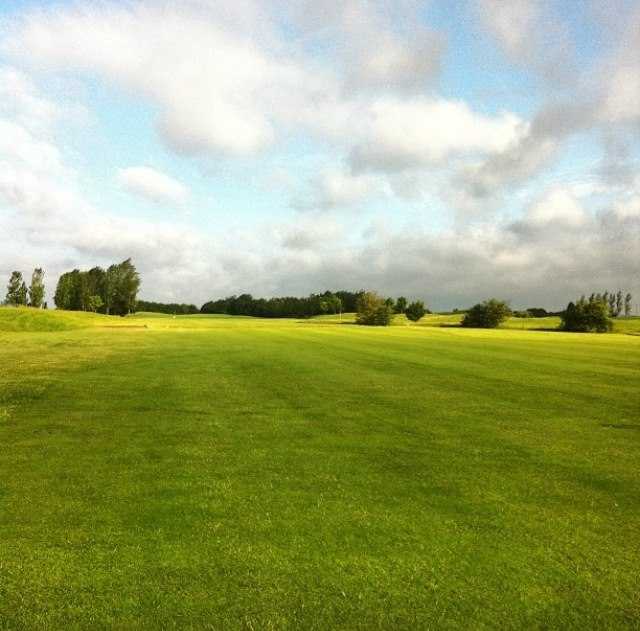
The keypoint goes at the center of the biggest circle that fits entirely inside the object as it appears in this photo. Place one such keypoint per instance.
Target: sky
(443, 150)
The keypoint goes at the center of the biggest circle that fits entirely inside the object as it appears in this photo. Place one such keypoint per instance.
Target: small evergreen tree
(373, 310)
(13, 289)
(415, 311)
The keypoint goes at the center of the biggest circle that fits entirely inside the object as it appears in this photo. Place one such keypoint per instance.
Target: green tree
(64, 290)
(487, 315)
(125, 296)
(94, 303)
(13, 289)
(612, 303)
(619, 303)
(585, 316)
(36, 289)
(117, 288)
(23, 293)
(109, 287)
(401, 305)
(373, 310)
(415, 311)
(627, 304)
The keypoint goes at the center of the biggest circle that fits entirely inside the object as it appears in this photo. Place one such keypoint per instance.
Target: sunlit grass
(197, 472)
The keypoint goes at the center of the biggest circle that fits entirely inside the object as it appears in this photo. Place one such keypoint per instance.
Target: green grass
(239, 473)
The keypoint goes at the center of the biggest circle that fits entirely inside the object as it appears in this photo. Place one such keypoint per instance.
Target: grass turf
(240, 473)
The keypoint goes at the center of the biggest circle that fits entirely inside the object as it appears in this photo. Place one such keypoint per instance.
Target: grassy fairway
(243, 473)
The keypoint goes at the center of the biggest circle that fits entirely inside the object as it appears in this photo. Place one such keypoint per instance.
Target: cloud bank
(469, 199)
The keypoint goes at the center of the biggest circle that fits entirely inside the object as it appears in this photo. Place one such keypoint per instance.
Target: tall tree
(13, 289)
(126, 288)
(401, 304)
(64, 289)
(612, 303)
(23, 293)
(627, 304)
(36, 289)
(619, 302)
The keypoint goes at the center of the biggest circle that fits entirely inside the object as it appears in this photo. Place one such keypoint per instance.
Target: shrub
(373, 310)
(487, 315)
(415, 311)
(585, 316)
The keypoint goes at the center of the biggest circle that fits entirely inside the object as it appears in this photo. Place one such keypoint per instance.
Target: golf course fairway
(225, 473)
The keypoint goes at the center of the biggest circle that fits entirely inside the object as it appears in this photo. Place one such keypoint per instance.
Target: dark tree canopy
(415, 311)
(587, 315)
(113, 291)
(16, 290)
(171, 308)
(284, 307)
(487, 315)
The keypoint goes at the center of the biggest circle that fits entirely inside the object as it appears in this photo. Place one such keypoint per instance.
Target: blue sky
(444, 150)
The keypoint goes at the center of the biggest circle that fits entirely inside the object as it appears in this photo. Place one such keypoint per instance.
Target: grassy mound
(28, 319)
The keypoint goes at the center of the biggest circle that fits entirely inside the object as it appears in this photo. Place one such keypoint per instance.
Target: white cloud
(404, 134)
(532, 34)
(558, 207)
(406, 55)
(153, 185)
(224, 81)
(241, 96)
(18, 144)
(513, 23)
(19, 100)
(621, 76)
(334, 188)
(628, 208)
(214, 87)
(311, 233)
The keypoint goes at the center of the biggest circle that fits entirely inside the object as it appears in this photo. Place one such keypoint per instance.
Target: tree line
(284, 306)
(112, 291)
(172, 308)
(328, 302)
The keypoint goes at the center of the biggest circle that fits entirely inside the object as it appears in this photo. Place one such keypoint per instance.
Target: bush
(373, 310)
(585, 316)
(415, 311)
(537, 312)
(487, 315)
